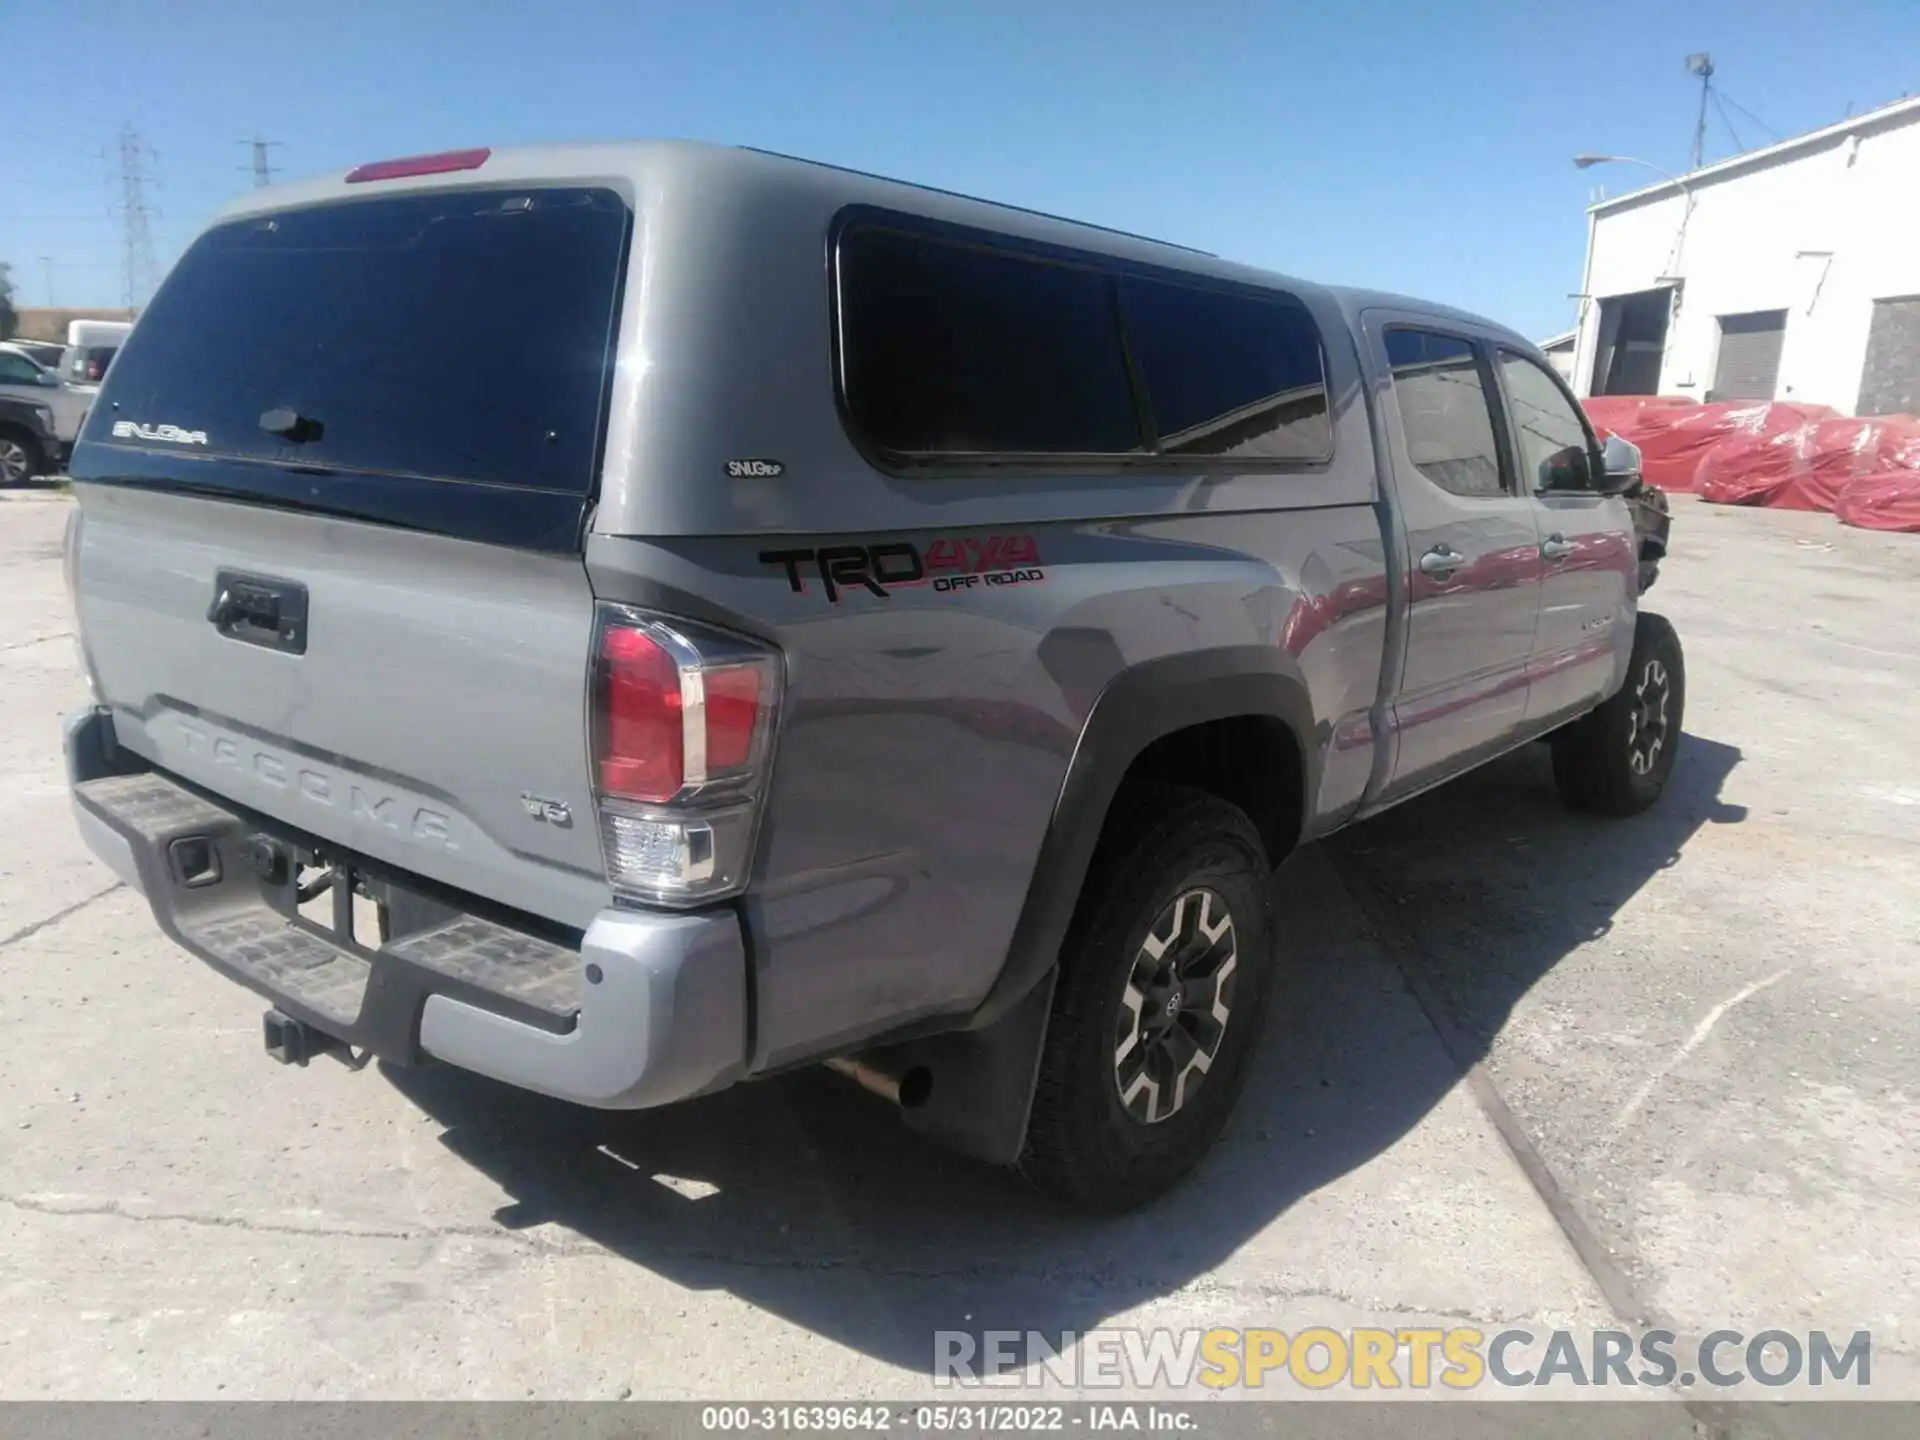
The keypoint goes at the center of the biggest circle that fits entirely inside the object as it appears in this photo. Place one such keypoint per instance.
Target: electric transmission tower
(136, 215)
(262, 168)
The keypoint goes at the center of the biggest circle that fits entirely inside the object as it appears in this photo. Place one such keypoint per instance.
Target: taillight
(643, 731)
(683, 720)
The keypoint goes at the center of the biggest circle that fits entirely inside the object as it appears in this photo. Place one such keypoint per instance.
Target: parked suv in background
(26, 379)
(855, 624)
(45, 353)
(28, 446)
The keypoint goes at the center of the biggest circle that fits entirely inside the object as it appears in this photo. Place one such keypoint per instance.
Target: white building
(1790, 273)
(1559, 352)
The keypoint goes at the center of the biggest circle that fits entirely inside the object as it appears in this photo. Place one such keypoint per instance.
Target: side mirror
(1620, 462)
(1568, 472)
(48, 379)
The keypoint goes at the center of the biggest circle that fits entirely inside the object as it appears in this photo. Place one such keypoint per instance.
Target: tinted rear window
(1229, 374)
(461, 335)
(954, 349)
(957, 348)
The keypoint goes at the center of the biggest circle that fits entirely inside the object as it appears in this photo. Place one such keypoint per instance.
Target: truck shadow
(806, 1198)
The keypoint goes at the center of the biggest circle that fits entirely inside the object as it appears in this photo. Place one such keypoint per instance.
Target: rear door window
(1228, 373)
(461, 335)
(1445, 398)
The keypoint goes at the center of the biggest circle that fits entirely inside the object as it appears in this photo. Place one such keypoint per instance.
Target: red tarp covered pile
(1889, 501)
(1791, 457)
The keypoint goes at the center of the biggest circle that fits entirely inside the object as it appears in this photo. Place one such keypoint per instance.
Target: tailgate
(332, 499)
(441, 681)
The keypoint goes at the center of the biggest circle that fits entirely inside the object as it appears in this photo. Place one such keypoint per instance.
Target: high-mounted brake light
(443, 163)
(683, 722)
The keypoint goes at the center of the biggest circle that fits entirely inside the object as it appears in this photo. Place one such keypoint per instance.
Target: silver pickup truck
(627, 620)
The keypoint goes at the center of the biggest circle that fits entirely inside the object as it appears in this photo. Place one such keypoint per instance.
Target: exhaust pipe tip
(909, 1088)
(916, 1087)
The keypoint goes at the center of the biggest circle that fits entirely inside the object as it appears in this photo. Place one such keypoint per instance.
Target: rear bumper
(650, 1008)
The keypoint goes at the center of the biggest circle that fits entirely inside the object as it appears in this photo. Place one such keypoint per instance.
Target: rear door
(1473, 565)
(330, 550)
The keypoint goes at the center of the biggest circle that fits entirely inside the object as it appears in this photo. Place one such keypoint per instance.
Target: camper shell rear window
(462, 336)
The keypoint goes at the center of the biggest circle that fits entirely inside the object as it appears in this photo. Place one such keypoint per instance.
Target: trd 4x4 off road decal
(956, 563)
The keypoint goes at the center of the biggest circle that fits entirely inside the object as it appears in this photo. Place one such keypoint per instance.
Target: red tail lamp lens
(733, 709)
(642, 736)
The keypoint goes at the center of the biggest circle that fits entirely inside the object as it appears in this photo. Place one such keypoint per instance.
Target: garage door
(1890, 380)
(1749, 363)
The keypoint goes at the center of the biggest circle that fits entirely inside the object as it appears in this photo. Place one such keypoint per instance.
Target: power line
(136, 214)
(1749, 114)
(1727, 120)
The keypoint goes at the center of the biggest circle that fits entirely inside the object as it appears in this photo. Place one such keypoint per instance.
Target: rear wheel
(1616, 760)
(20, 457)
(1159, 1006)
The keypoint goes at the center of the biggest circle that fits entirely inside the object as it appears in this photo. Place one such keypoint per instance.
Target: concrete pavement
(1701, 1024)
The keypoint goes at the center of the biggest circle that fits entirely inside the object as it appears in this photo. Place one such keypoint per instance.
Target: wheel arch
(984, 1073)
(13, 430)
(1142, 718)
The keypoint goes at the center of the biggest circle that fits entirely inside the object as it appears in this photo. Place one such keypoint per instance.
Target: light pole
(1587, 162)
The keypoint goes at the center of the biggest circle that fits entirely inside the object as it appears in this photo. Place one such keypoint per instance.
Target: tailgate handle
(260, 610)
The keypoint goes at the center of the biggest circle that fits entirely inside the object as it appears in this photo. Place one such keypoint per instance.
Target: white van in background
(91, 346)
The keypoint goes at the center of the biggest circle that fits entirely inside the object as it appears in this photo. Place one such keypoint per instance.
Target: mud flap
(982, 1079)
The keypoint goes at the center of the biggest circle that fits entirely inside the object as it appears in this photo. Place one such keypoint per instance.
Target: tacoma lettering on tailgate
(314, 786)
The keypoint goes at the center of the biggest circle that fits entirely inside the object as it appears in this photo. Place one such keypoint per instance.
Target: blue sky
(1416, 146)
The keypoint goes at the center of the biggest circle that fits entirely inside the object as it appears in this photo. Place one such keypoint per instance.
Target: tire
(1617, 759)
(1169, 867)
(20, 457)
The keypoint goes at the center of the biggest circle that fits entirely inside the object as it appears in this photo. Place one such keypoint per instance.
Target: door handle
(260, 611)
(1441, 561)
(1555, 547)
